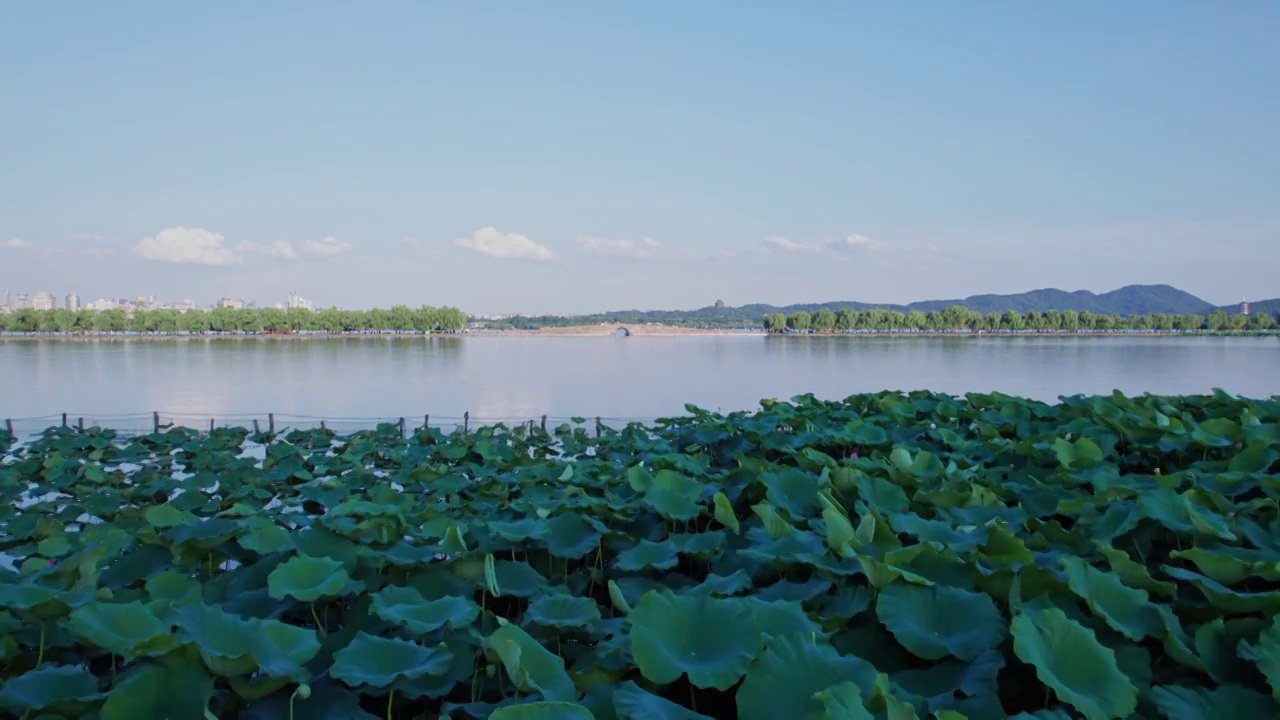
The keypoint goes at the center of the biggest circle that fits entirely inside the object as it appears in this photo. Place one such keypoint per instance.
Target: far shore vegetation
(427, 320)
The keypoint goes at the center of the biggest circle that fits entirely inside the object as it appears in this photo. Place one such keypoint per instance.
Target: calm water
(639, 377)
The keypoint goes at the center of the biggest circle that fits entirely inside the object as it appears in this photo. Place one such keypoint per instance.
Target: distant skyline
(573, 157)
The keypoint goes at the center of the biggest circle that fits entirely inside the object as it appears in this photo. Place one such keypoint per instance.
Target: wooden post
(401, 427)
(8, 425)
(255, 426)
(64, 419)
(210, 426)
(271, 423)
(322, 425)
(155, 421)
(426, 422)
(80, 424)
(597, 426)
(466, 422)
(544, 423)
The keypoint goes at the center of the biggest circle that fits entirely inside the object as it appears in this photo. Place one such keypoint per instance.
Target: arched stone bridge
(625, 330)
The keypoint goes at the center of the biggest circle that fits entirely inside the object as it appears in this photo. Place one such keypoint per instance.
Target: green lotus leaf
(542, 711)
(1069, 659)
(724, 513)
(307, 578)
(1134, 574)
(518, 579)
(1127, 610)
(173, 587)
(1266, 653)
(265, 537)
(160, 690)
(843, 702)
(702, 545)
(936, 621)
(406, 606)
(515, 531)
(570, 535)
(882, 493)
(125, 629)
(529, 665)
(1256, 457)
(630, 702)
(647, 554)
(329, 700)
(774, 523)
(563, 611)
(379, 662)
(1225, 702)
(793, 490)
(1226, 599)
(1079, 454)
(54, 547)
(167, 516)
(1176, 641)
(786, 679)
(782, 618)
(1227, 569)
(40, 601)
(939, 682)
(674, 496)
(232, 645)
(724, 585)
(712, 640)
(48, 686)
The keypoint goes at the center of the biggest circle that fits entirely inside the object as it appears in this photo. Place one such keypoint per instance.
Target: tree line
(957, 317)
(400, 318)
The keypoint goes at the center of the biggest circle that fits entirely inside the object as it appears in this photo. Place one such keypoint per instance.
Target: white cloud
(422, 247)
(620, 248)
(16, 243)
(276, 248)
(88, 237)
(328, 247)
(187, 245)
(790, 245)
(841, 248)
(508, 246)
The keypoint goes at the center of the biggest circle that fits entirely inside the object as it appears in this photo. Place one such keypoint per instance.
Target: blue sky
(578, 156)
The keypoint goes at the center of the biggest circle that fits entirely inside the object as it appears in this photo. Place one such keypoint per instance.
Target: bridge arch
(622, 332)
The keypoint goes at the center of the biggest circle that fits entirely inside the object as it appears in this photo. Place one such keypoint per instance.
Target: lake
(354, 381)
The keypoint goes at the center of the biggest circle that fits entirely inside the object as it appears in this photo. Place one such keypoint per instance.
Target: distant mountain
(1126, 301)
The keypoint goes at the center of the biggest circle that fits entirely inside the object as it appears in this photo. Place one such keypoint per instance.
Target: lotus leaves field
(888, 556)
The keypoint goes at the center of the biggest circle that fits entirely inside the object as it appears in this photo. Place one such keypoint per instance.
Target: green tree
(824, 320)
(776, 322)
(799, 320)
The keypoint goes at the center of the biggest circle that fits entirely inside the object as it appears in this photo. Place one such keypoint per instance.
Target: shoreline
(609, 331)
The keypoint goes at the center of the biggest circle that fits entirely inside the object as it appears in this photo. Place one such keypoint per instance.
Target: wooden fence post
(64, 419)
(255, 426)
(80, 424)
(426, 422)
(401, 427)
(544, 423)
(8, 425)
(597, 426)
(466, 422)
(210, 426)
(271, 423)
(155, 421)
(322, 425)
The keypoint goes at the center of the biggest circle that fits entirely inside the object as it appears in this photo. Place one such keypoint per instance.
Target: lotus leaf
(529, 665)
(1266, 653)
(542, 711)
(307, 578)
(1226, 702)
(563, 611)
(712, 640)
(786, 679)
(936, 621)
(125, 629)
(379, 662)
(167, 689)
(630, 702)
(1069, 659)
(674, 496)
(48, 686)
(406, 606)
(1127, 610)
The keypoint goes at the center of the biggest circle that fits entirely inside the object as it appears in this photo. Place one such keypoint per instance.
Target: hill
(1126, 301)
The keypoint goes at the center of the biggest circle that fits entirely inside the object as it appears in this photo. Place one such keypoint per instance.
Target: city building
(43, 301)
(297, 301)
(1244, 306)
(227, 302)
(21, 301)
(719, 303)
(182, 306)
(100, 305)
(73, 302)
